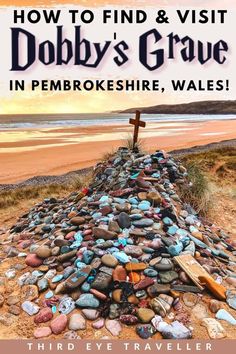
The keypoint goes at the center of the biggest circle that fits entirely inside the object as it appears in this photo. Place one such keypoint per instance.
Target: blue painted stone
(157, 226)
(48, 220)
(75, 244)
(66, 305)
(167, 221)
(136, 216)
(49, 294)
(224, 255)
(85, 287)
(42, 284)
(121, 257)
(198, 242)
(157, 210)
(99, 241)
(185, 241)
(37, 273)
(87, 301)
(79, 264)
(156, 175)
(113, 249)
(174, 250)
(122, 241)
(57, 278)
(46, 228)
(68, 271)
(64, 225)
(172, 230)
(130, 241)
(120, 200)
(182, 233)
(104, 199)
(222, 314)
(143, 222)
(65, 249)
(145, 205)
(133, 200)
(148, 250)
(193, 229)
(103, 204)
(190, 220)
(190, 248)
(97, 216)
(150, 272)
(22, 254)
(106, 219)
(90, 279)
(87, 256)
(135, 175)
(78, 236)
(54, 309)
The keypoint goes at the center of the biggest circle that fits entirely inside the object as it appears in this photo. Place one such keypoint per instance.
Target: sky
(91, 102)
(211, 3)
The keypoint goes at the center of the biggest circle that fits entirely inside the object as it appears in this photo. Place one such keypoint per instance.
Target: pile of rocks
(105, 255)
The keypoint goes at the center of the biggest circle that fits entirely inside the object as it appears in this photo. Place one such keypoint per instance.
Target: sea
(37, 121)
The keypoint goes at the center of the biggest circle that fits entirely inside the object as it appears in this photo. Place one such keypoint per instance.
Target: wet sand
(30, 152)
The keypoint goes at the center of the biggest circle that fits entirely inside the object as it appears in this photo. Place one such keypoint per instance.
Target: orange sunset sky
(91, 102)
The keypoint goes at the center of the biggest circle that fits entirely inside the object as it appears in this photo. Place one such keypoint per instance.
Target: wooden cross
(137, 123)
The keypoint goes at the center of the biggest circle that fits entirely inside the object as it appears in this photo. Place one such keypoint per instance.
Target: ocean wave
(47, 121)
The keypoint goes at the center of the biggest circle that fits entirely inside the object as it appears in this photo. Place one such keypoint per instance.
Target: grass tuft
(14, 197)
(198, 195)
(128, 143)
(81, 181)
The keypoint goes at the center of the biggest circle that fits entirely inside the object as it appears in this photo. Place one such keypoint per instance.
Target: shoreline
(65, 177)
(56, 151)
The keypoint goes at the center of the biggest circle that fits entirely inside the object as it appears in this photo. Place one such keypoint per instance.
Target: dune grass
(211, 173)
(13, 197)
(9, 198)
(198, 195)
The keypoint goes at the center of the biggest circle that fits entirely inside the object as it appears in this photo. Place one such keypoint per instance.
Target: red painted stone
(33, 261)
(119, 274)
(44, 315)
(58, 325)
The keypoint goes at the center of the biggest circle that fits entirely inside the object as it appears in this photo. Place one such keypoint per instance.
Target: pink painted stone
(44, 315)
(114, 327)
(25, 236)
(33, 261)
(16, 238)
(156, 244)
(58, 325)
(70, 235)
(98, 324)
(144, 283)
(87, 232)
(24, 244)
(42, 332)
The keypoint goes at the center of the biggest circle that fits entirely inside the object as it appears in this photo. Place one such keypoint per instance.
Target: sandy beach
(53, 151)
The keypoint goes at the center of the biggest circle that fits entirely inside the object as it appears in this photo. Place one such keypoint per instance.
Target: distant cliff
(202, 107)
